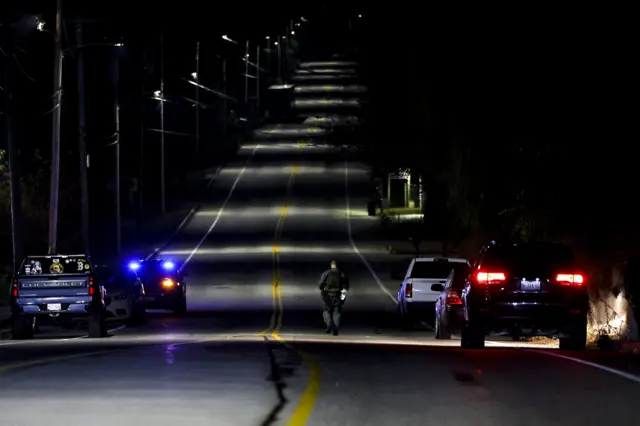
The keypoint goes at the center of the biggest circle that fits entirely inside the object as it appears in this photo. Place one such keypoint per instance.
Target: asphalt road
(252, 350)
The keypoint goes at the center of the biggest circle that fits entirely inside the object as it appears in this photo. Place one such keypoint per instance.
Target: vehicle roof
(441, 259)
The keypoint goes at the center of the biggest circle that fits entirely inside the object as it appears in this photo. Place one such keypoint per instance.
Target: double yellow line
(307, 401)
(275, 323)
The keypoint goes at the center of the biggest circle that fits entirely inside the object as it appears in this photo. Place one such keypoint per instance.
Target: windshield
(436, 269)
(56, 265)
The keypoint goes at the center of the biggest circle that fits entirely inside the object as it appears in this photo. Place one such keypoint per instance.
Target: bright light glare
(284, 170)
(326, 64)
(292, 131)
(168, 265)
(134, 266)
(258, 212)
(318, 249)
(302, 103)
(327, 71)
(332, 88)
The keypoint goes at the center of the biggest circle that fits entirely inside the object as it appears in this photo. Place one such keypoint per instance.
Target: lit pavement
(277, 216)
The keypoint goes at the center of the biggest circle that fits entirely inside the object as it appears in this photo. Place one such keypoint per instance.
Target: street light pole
(55, 137)
(258, 78)
(162, 183)
(246, 73)
(197, 101)
(279, 43)
(14, 175)
(224, 99)
(82, 144)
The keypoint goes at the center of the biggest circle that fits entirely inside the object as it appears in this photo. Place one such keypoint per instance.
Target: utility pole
(246, 73)
(55, 137)
(162, 186)
(197, 101)
(279, 43)
(116, 79)
(141, 159)
(224, 99)
(258, 78)
(82, 144)
(14, 171)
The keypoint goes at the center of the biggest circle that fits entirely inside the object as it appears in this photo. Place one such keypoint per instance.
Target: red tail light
(570, 279)
(92, 287)
(14, 288)
(492, 277)
(408, 290)
(453, 298)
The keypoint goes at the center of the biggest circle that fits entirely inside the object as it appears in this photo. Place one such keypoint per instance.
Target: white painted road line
(600, 367)
(61, 339)
(224, 204)
(184, 221)
(353, 243)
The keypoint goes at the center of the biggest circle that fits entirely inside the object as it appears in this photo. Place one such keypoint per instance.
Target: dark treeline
(518, 121)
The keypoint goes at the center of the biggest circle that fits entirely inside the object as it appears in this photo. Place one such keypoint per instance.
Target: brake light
(570, 279)
(408, 290)
(92, 287)
(490, 277)
(14, 289)
(453, 298)
(168, 283)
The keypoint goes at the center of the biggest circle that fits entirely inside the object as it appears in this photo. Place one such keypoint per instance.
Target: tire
(441, 334)
(405, 320)
(577, 340)
(98, 327)
(138, 317)
(472, 336)
(181, 306)
(22, 328)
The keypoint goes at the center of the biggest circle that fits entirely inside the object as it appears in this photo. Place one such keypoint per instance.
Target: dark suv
(58, 287)
(531, 289)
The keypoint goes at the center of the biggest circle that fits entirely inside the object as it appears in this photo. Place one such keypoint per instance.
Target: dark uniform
(332, 283)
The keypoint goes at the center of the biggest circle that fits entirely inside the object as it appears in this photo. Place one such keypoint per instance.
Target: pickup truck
(421, 287)
(59, 288)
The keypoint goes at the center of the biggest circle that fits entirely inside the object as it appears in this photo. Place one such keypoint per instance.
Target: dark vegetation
(516, 126)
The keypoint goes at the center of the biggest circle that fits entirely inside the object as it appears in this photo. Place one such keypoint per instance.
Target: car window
(435, 269)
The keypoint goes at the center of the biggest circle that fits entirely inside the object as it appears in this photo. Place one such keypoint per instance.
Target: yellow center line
(307, 401)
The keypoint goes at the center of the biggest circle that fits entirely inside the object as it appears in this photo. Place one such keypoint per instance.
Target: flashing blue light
(134, 266)
(168, 265)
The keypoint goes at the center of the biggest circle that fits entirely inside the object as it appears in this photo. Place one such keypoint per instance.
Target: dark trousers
(332, 310)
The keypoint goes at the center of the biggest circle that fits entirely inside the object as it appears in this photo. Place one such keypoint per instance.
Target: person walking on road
(333, 288)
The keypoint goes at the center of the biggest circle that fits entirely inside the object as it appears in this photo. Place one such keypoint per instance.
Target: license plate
(530, 285)
(54, 307)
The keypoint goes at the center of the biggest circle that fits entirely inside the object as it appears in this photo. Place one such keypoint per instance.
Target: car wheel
(98, 326)
(138, 316)
(577, 339)
(22, 328)
(472, 336)
(181, 306)
(441, 333)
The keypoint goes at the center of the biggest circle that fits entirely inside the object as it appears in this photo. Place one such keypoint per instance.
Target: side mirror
(437, 287)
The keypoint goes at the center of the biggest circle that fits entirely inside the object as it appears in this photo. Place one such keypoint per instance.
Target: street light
(226, 38)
